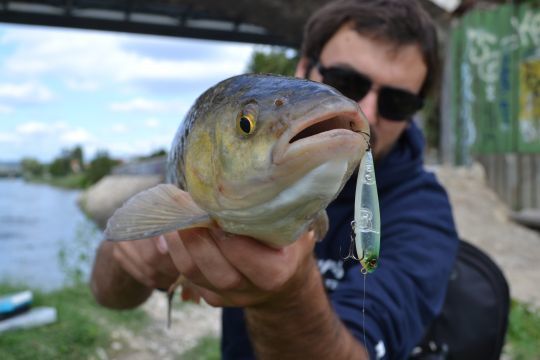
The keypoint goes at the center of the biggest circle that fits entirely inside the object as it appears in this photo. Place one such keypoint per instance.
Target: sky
(122, 93)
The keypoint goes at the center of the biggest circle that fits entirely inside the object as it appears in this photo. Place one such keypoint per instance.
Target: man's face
(402, 68)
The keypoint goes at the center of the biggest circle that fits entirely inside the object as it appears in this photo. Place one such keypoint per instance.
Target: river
(45, 239)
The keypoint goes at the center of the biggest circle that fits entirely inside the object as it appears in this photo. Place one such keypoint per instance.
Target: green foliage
(277, 60)
(78, 155)
(70, 181)
(32, 167)
(100, 166)
(82, 327)
(68, 162)
(156, 154)
(206, 349)
(60, 167)
(75, 256)
(523, 332)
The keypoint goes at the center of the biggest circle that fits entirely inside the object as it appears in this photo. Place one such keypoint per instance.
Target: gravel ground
(481, 218)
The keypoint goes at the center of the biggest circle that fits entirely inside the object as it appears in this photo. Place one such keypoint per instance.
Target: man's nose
(368, 104)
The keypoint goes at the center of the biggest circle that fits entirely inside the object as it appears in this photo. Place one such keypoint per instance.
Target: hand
(233, 270)
(147, 261)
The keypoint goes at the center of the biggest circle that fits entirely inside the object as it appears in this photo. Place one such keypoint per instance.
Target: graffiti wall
(496, 82)
(529, 104)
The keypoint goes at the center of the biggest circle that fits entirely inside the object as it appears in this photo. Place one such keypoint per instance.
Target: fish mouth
(339, 130)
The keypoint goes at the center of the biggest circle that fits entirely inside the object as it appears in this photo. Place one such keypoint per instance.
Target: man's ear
(302, 67)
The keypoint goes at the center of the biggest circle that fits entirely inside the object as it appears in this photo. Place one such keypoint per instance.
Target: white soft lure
(367, 220)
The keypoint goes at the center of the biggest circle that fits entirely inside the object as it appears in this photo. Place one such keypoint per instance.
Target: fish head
(250, 137)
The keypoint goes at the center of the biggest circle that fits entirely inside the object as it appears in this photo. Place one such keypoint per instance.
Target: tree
(32, 167)
(77, 157)
(277, 60)
(98, 167)
(60, 166)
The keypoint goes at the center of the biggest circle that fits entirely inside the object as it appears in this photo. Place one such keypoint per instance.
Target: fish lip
(283, 149)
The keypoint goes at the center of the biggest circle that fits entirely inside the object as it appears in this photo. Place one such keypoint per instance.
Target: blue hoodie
(418, 247)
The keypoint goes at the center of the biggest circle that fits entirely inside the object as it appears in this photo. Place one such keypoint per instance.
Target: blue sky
(105, 91)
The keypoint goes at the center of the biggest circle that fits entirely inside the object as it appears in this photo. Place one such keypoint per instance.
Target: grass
(81, 328)
(206, 349)
(72, 181)
(523, 337)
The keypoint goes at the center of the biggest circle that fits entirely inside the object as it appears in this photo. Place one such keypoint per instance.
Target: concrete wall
(515, 178)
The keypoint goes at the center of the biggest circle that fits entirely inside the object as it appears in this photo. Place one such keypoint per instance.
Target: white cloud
(119, 128)
(76, 136)
(93, 58)
(82, 84)
(54, 134)
(32, 128)
(152, 123)
(38, 128)
(8, 138)
(25, 92)
(4, 109)
(146, 105)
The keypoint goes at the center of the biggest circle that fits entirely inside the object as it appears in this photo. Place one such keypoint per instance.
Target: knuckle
(230, 282)
(191, 272)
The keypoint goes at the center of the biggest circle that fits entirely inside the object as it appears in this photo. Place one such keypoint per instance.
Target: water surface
(44, 236)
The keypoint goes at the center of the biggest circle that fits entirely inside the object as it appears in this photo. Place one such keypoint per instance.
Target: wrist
(111, 285)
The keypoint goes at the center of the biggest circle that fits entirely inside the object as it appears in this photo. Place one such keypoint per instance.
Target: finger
(161, 244)
(266, 267)
(208, 258)
(163, 262)
(132, 269)
(212, 298)
(182, 259)
(139, 254)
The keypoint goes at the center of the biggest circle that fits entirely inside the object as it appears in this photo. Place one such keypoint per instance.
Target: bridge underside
(272, 22)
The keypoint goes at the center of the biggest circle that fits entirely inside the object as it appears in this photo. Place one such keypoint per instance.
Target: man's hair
(398, 22)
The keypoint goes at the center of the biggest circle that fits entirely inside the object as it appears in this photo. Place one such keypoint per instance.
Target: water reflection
(38, 223)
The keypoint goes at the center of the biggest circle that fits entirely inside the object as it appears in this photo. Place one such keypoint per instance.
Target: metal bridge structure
(271, 22)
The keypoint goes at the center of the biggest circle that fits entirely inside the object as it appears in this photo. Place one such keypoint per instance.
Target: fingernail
(162, 245)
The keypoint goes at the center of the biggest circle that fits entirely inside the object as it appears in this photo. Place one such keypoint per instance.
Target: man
(381, 53)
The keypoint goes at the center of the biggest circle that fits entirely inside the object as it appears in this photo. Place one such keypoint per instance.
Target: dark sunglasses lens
(398, 105)
(349, 83)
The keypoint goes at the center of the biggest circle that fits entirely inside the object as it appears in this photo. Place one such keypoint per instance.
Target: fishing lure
(367, 220)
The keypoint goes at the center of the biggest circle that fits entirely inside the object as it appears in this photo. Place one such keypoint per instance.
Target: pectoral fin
(156, 211)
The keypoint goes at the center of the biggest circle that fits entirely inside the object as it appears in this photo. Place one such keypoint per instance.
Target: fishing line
(364, 272)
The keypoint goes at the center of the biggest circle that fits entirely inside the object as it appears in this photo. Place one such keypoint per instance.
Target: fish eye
(246, 124)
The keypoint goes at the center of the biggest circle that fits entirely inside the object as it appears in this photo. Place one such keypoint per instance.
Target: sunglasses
(393, 104)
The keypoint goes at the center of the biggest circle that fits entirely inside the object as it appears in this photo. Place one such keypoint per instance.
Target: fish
(256, 155)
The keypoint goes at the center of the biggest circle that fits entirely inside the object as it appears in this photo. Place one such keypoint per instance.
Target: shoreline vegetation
(69, 170)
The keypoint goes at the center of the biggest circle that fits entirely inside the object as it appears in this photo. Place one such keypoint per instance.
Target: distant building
(10, 169)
